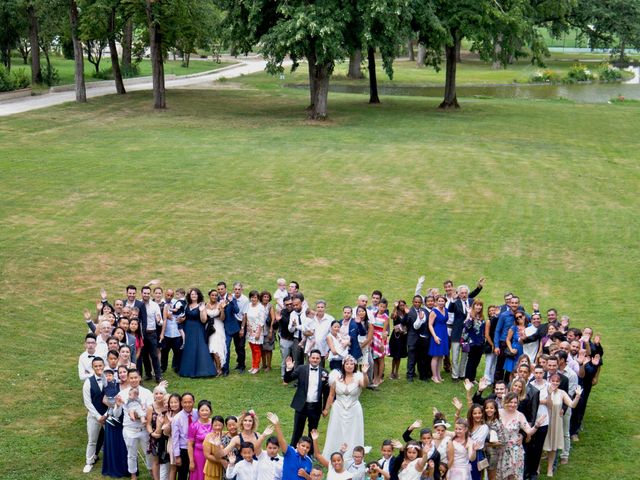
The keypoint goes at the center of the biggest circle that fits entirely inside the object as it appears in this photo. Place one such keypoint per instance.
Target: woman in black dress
(398, 340)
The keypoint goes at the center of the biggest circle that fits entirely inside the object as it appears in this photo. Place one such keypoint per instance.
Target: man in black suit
(307, 401)
(417, 324)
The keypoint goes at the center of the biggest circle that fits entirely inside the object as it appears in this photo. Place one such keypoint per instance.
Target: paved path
(25, 104)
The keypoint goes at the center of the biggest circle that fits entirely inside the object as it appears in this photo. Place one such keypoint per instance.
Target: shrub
(579, 73)
(21, 78)
(609, 73)
(50, 76)
(545, 76)
(134, 71)
(6, 80)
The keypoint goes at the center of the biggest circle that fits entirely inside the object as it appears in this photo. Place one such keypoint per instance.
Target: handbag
(482, 463)
(509, 354)
(466, 347)
(211, 329)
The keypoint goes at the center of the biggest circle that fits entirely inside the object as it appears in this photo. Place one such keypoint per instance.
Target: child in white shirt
(245, 469)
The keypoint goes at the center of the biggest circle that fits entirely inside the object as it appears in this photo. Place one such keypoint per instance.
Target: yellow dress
(213, 470)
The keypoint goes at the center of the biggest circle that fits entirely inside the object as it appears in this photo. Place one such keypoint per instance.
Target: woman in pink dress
(197, 433)
(379, 345)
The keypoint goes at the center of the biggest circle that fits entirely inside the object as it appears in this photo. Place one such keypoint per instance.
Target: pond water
(579, 93)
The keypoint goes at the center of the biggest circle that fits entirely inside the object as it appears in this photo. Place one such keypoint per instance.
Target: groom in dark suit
(307, 401)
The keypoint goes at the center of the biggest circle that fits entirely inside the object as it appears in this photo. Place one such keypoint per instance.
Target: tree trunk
(412, 53)
(622, 49)
(23, 48)
(422, 54)
(45, 52)
(157, 63)
(127, 41)
(115, 65)
(81, 91)
(450, 98)
(36, 71)
(186, 58)
(322, 75)
(373, 80)
(497, 51)
(355, 65)
(311, 58)
(6, 58)
(458, 57)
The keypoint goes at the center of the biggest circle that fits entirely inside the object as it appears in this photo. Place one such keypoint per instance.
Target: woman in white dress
(217, 341)
(346, 422)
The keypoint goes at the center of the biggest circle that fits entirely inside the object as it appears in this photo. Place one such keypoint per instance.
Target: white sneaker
(87, 468)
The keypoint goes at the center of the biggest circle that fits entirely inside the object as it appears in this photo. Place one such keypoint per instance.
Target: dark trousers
(500, 363)
(183, 469)
(473, 360)
(239, 345)
(578, 413)
(418, 356)
(533, 452)
(310, 414)
(149, 354)
(297, 353)
(168, 345)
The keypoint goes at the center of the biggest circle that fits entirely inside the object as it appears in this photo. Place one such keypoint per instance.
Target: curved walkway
(24, 104)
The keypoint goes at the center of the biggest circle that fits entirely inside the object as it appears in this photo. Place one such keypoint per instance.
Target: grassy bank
(538, 197)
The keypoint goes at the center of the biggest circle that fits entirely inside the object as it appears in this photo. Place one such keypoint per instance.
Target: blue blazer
(231, 325)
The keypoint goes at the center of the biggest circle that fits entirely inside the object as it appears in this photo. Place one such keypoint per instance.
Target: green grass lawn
(539, 197)
(471, 71)
(65, 67)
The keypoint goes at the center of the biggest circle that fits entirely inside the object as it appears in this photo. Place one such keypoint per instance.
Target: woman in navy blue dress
(114, 462)
(196, 360)
(439, 343)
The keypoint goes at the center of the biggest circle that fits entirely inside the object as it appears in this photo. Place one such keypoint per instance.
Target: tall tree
(36, 70)
(78, 54)
(11, 27)
(154, 16)
(613, 24)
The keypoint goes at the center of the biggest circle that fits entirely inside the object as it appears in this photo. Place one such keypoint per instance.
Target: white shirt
(243, 303)
(154, 315)
(279, 296)
(296, 324)
(312, 390)
(542, 409)
(101, 348)
(269, 469)
(573, 380)
(357, 472)
(385, 463)
(322, 330)
(86, 396)
(243, 470)
(145, 398)
(84, 365)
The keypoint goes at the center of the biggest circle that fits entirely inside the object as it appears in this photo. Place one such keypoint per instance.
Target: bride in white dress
(217, 341)
(346, 423)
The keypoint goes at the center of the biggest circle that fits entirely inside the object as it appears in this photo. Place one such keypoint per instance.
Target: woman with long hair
(556, 398)
(196, 360)
(511, 465)
(473, 335)
(478, 432)
(460, 452)
(215, 329)
(346, 421)
(338, 346)
(134, 329)
(248, 433)
(439, 343)
(269, 331)
(365, 340)
(173, 407)
(398, 338)
(254, 319)
(494, 443)
(157, 441)
(514, 347)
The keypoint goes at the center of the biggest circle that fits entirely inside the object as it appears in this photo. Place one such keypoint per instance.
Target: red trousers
(256, 354)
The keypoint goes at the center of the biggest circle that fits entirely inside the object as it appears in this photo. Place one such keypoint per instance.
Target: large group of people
(540, 374)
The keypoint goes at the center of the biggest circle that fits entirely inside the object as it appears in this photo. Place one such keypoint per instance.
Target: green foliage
(131, 71)
(21, 78)
(545, 76)
(13, 80)
(579, 73)
(609, 73)
(50, 75)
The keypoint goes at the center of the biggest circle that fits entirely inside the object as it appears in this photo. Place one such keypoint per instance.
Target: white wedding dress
(346, 423)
